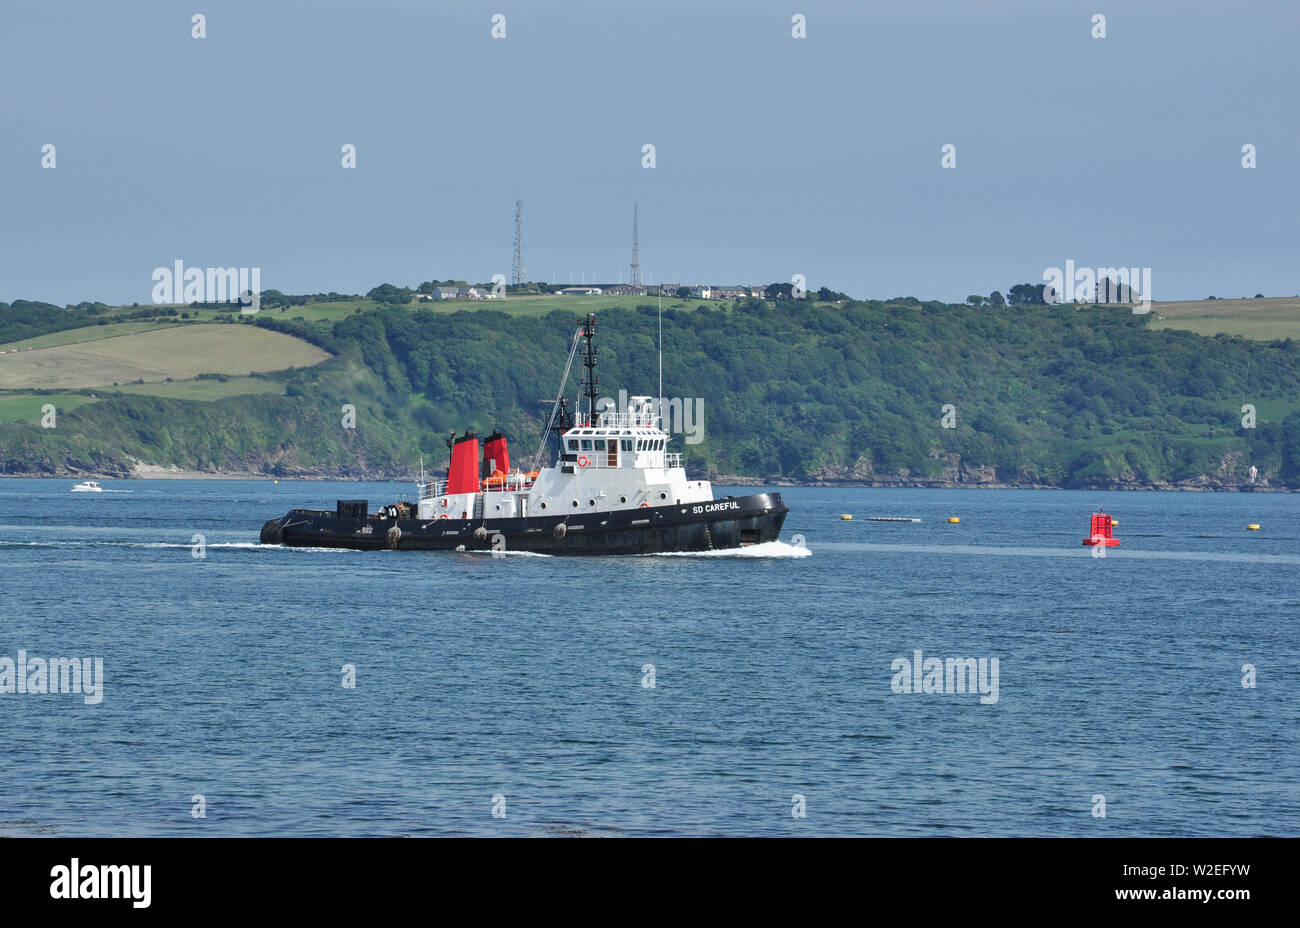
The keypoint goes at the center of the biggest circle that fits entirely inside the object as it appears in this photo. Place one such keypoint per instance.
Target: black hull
(732, 522)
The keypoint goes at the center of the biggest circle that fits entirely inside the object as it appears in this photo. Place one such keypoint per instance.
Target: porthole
(591, 502)
(622, 499)
(575, 504)
(543, 505)
(663, 495)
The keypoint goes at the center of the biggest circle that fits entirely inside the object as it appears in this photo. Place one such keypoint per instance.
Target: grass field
(541, 305)
(205, 390)
(28, 408)
(89, 333)
(311, 311)
(1263, 319)
(175, 352)
(515, 305)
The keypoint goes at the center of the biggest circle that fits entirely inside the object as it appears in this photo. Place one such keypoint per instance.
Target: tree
(995, 299)
(387, 293)
(975, 299)
(274, 298)
(1026, 294)
(683, 292)
(1291, 448)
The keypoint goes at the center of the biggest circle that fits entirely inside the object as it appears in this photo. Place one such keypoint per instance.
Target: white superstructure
(621, 461)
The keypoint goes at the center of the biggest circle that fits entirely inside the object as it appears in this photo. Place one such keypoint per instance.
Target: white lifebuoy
(584, 461)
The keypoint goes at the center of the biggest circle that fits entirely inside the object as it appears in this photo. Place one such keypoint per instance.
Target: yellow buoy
(954, 519)
(846, 517)
(1114, 522)
(1253, 527)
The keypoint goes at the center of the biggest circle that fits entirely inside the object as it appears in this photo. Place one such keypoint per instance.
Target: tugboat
(614, 489)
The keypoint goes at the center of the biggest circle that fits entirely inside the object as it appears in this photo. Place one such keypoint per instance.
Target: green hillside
(802, 391)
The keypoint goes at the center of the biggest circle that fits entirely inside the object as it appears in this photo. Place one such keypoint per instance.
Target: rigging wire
(556, 406)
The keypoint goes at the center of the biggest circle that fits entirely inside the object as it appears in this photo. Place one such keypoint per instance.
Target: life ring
(644, 506)
(584, 461)
(443, 516)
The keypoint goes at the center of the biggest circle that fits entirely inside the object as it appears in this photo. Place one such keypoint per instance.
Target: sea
(784, 690)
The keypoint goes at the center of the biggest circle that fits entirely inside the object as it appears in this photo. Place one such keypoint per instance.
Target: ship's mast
(590, 383)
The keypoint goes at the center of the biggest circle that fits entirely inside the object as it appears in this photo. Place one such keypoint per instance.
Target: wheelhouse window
(586, 444)
(600, 444)
(573, 444)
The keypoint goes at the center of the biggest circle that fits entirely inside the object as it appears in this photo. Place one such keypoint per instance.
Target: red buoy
(1100, 533)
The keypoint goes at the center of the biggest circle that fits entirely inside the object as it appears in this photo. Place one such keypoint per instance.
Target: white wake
(765, 549)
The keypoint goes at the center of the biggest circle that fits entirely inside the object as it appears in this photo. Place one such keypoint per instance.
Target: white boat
(90, 486)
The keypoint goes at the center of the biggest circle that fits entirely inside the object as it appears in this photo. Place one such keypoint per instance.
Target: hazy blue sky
(775, 155)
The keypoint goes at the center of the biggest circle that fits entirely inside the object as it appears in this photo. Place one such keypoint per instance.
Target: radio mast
(635, 277)
(517, 272)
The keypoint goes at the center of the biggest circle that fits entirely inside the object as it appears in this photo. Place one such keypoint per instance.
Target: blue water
(522, 675)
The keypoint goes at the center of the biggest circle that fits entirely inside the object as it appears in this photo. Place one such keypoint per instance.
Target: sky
(774, 155)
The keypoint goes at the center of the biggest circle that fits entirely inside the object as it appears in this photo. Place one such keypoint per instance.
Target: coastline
(1200, 484)
(139, 471)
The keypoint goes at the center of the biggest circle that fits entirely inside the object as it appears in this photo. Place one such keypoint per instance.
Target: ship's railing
(600, 459)
(626, 420)
(512, 482)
